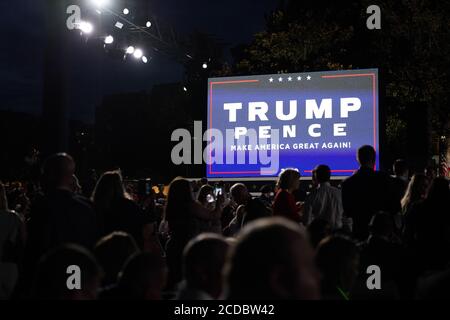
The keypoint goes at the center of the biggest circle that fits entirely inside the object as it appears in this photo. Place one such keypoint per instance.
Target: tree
(411, 50)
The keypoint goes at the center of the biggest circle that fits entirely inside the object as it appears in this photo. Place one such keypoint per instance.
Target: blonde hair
(416, 191)
(287, 178)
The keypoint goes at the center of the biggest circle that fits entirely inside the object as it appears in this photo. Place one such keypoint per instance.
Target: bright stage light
(109, 39)
(184, 89)
(130, 50)
(148, 24)
(205, 66)
(126, 11)
(86, 27)
(144, 59)
(138, 53)
(100, 3)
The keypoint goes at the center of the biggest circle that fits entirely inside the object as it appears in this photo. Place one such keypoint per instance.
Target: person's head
(203, 181)
(382, 225)
(69, 272)
(439, 190)
(366, 156)
(266, 190)
(272, 259)
(3, 198)
(400, 168)
(178, 198)
(58, 171)
(108, 188)
(112, 251)
(322, 173)
(417, 190)
(239, 193)
(318, 230)
(203, 193)
(255, 209)
(144, 276)
(289, 180)
(203, 262)
(337, 258)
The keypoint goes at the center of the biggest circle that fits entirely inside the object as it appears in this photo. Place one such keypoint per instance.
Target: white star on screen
(280, 79)
(290, 79)
(299, 78)
(271, 79)
(308, 77)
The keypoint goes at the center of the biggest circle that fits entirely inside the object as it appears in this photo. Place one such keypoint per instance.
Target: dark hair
(51, 277)
(261, 246)
(207, 250)
(318, 229)
(108, 188)
(56, 168)
(322, 173)
(178, 199)
(255, 209)
(333, 258)
(366, 155)
(140, 272)
(400, 167)
(112, 251)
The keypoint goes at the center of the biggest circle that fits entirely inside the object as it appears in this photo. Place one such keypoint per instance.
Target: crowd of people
(197, 241)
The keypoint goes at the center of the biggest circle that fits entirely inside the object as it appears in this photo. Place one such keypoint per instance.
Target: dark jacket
(125, 215)
(60, 217)
(365, 193)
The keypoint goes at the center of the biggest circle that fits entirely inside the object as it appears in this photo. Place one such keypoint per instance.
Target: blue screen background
(360, 124)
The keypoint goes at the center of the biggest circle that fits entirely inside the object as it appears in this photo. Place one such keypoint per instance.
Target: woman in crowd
(117, 212)
(427, 229)
(415, 192)
(186, 218)
(284, 204)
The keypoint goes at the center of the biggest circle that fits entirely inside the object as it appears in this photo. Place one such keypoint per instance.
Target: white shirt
(325, 203)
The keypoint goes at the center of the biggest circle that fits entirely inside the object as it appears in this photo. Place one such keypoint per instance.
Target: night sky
(92, 74)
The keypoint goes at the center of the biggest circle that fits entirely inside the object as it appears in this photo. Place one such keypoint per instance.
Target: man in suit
(366, 192)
